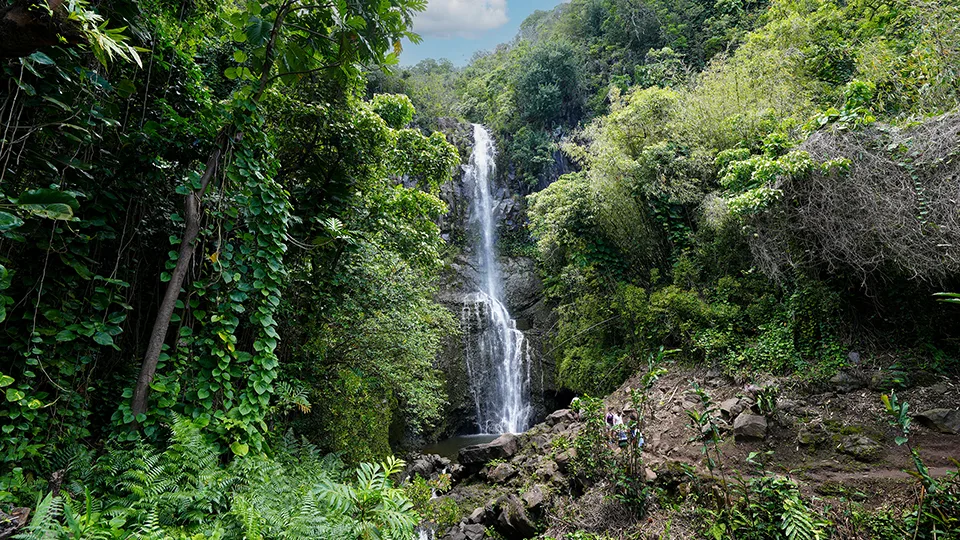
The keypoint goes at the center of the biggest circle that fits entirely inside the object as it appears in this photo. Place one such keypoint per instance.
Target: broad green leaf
(257, 31)
(239, 448)
(14, 395)
(45, 196)
(9, 221)
(239, 57)
(57, 211)
(41, 58)
(103, 338)
(5, 380)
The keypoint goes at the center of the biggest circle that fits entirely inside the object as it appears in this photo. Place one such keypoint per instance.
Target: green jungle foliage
(756, 184)
(204, 226)
(219, 233)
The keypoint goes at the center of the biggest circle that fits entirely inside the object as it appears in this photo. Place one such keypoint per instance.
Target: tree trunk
(187, 245)
(158, 335)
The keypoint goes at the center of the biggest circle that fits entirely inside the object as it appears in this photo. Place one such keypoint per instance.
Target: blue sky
(455, 29)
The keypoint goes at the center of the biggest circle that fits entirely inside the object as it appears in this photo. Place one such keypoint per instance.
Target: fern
(797, 522)
(45, 524)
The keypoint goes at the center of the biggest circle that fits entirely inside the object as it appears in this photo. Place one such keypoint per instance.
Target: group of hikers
(623, 428)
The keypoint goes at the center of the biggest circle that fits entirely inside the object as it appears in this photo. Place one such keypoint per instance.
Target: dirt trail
(830, 418)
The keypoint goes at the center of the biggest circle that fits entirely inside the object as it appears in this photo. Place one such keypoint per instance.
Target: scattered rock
(501, 473)
(649, 475)
(942, 420)
(749, 427)
(465, 531)
(533, 498)
(563, 415)
(788, 405)
(564, 459)
(853, 357)
(503, 447)
(845, 382)
(512, 519)
(731, 407)
(479, 515)
(427, 465)
(862, 448)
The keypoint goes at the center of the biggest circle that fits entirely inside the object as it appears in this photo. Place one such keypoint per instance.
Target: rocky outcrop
(862, 448)
(465, 531)
(942, 420)
(477, 455)
(512, 519)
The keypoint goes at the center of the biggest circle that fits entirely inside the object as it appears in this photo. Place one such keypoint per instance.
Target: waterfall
(497, 354)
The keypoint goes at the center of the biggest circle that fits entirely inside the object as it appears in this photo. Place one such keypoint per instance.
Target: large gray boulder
(504, 447)
(501, 473)
(942, 420)
(465, 531)
(750, 427)
(846, 381)
(563, 416)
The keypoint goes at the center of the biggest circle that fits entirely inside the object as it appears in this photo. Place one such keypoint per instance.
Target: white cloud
(465, 18)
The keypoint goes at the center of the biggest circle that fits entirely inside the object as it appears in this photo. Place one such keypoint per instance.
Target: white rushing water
(497, 354)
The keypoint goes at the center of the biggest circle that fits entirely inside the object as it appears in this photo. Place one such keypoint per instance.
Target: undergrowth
(186, 491)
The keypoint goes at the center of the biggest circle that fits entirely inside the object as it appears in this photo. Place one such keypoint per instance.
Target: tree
(287, 40)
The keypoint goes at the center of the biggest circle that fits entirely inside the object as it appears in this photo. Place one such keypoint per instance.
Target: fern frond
(797, 522)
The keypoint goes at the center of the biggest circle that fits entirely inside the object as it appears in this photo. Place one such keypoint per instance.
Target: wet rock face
(477, 455)
(522, 295)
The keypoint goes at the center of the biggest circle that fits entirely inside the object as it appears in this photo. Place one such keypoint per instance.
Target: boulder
(512, 519)
(562, 416)
(845, 381)
(503, 447)
(862, 448)
(475, 532)
(427, 465)
(465, 531)
(942, 420)
(546, 469)
(564, 459)
(731, 407)
(750, 427)
(501, 473)
(533, 498)
(478, 516)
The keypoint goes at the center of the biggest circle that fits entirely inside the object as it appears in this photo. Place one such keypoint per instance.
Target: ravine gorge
(649, 269)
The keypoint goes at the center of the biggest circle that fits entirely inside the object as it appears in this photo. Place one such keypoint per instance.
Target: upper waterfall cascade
(497, 354)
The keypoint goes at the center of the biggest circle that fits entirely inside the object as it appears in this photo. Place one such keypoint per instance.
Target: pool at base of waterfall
(449, 448)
